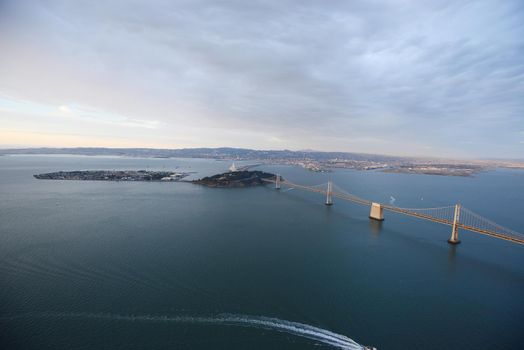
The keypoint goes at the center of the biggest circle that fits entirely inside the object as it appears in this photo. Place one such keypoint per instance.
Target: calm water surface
(100, 265)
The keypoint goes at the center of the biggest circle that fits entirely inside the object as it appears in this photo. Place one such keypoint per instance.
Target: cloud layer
(404, 77)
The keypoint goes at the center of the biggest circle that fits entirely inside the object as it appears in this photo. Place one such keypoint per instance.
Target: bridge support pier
(277, 182)
(454, 231)
(376, 212)
(329, 193)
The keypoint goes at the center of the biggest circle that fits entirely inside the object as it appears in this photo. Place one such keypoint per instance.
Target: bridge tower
(329, 193)
(277, 182)
(454, 239)
(376, 212)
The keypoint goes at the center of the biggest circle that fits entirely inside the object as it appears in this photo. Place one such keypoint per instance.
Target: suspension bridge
(455, 216)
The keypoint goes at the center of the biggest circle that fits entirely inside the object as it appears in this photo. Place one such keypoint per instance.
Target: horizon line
(21, 148)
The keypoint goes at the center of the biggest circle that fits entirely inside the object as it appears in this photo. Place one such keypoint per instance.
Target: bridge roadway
(459, 225)
(474, 225)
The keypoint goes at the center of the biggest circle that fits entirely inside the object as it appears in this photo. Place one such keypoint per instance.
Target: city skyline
(399, 78)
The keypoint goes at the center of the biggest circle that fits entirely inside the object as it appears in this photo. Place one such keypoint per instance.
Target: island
(242, 178)
(113, 175)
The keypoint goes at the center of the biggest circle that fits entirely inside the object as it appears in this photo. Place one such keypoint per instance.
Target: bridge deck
(349, 197)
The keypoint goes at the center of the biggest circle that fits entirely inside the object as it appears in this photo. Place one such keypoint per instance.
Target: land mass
(243, 178)
(437, 169)
(310, 160)
(113, 175)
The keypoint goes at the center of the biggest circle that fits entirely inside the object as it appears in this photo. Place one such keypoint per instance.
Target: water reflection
(452, 254)
(375, 227)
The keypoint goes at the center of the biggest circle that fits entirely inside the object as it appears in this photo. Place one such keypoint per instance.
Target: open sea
(135, 265)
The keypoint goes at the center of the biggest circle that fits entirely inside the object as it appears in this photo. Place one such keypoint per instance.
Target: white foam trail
(295, 328)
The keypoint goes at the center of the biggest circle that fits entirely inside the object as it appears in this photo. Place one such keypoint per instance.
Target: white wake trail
(269, 323)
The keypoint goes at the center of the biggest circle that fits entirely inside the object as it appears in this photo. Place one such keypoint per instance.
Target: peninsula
(113, 175)
(243, 178)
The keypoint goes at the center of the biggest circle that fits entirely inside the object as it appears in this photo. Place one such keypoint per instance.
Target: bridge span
(455, 216)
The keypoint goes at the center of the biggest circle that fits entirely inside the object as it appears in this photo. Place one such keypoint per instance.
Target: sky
(436, 78)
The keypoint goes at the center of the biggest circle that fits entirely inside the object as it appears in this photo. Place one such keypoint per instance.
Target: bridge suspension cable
(452, 215)
(474, 222)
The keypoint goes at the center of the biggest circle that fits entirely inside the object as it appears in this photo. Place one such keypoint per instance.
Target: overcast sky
(441, 78)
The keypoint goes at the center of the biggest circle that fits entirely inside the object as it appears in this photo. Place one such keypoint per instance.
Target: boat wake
(268, 323)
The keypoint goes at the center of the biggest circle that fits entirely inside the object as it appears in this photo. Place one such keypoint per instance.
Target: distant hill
(214, 153)
(308, 159)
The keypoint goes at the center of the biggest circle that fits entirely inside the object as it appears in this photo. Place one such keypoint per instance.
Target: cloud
(64, 109)
(275, 140)
(314, 74)
(81, 113)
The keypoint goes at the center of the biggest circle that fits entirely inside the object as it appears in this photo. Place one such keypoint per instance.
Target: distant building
(233, 168)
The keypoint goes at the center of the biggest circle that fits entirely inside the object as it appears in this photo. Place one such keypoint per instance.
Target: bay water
(136, 265)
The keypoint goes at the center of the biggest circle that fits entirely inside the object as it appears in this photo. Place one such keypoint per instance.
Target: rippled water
(99, 265)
